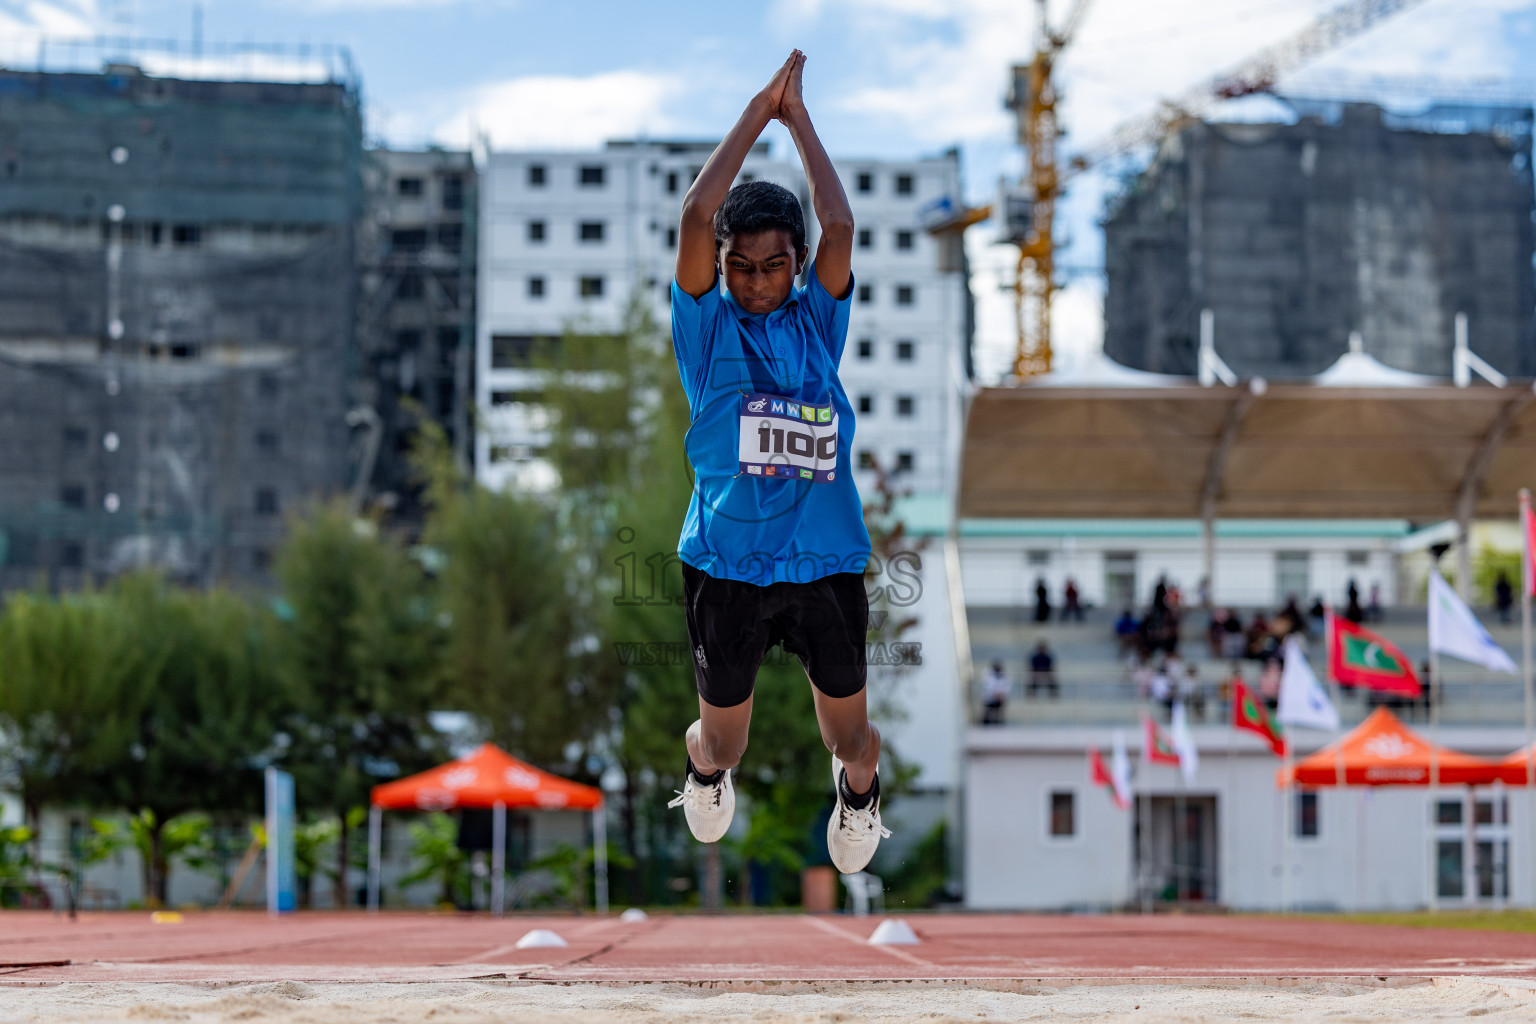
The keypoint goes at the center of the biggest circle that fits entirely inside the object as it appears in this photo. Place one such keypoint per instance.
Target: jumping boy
(774, 545)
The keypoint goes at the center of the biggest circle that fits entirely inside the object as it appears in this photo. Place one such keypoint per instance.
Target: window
(671, 238)
(671, 183)
(866, 182)
(409, 188)
(1063, 818)
(903, 184)
(904, 240)
(407, 340)
(866, 238)
(71, 555)
(866, 294)
(261, 559)
(450, 237)
(453, 192)
(516, 351)
(866, 348)
(1038, 557)
(410, 287)
(186, 235)
(266, 443)
(535, 175)
(535, 231)
(591, 287)
(74, 437)
(1304, 822)
(590, 231)
(1357, 557)
(904, 405)
(904, 461)
(904, 351)
(590, 175)
(866, 459)
(408, 240)
(905, 295)
(72, 495)
(266, 501)
(535, 287)
(866, 403)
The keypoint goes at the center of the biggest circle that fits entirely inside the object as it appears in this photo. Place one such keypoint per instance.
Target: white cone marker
(634, 914)
(894, 932)
(540, 938)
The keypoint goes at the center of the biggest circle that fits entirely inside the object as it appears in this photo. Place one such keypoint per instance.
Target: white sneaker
(708, 809)
(853, 835)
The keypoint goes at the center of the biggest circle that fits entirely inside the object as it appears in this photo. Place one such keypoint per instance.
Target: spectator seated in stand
(1042, 671)
(1126, 629)
(1290, 620)
(995, 689)
(1234, 644)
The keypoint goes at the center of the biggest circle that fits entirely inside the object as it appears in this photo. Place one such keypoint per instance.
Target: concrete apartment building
(1352, 219)
(568, 238)
(416, 319)
(177, 301)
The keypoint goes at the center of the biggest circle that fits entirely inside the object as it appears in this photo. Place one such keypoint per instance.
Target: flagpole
(1530, 693)
(1289, 826)
(1436, 691)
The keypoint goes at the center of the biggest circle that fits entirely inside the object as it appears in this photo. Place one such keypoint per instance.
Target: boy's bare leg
(719, 737)
(850, 736)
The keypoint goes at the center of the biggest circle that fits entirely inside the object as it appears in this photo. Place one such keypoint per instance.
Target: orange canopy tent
(1515, 769)
(487, 778)
(1382, 751)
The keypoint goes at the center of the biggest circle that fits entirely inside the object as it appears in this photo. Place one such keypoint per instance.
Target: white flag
(1120, 769)
(1184, 743)
(1303, 701)
(1454, 630)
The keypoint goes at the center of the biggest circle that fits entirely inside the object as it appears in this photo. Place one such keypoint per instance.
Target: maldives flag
(1156, 746)
(1248, 712)
(1358, 657)
(1100, 775)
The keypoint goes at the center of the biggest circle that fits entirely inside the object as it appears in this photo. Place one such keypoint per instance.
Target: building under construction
(1352, 219)
(177, 319)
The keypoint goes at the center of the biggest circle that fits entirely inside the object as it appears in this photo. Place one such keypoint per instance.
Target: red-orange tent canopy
(1513, 768)
(485, 777)
(1382, 751)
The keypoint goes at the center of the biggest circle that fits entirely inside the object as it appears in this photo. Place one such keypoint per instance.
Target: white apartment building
(568, 237)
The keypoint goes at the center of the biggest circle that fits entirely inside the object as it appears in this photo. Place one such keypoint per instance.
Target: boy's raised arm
(834, 253)
(696, 233)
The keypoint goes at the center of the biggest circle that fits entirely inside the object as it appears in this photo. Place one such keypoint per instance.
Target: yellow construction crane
(1029, 212)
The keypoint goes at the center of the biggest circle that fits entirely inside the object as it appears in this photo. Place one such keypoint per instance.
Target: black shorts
(732, 625)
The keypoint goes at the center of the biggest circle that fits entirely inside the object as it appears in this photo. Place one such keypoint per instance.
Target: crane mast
(1030, 212)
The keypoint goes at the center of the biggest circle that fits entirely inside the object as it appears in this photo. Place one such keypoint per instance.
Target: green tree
(360, 646)
(437, 857)
(201, 713)
(502, 588)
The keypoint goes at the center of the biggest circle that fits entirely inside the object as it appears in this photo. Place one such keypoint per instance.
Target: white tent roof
(1356, 369)
(1097, 370)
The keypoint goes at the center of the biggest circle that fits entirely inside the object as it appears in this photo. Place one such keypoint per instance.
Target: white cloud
(562, 111)
(21, 24)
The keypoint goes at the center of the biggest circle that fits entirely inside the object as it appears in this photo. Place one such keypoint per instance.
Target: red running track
(38, 948)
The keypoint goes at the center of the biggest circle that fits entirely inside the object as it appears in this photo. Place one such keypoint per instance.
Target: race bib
(789, 440)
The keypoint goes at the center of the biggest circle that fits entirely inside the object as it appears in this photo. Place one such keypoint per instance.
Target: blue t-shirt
(770, 438)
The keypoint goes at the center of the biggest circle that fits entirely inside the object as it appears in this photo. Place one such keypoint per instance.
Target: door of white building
(1119, 580)
(1293, 576)
(1176, 849)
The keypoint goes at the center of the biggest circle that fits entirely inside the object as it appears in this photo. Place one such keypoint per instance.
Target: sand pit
(476, 1002)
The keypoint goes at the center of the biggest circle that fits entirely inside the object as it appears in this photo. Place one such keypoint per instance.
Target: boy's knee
(722, 751)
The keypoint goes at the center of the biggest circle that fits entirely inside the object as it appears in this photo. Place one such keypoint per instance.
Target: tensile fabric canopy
(1382, 751)
(483, 778)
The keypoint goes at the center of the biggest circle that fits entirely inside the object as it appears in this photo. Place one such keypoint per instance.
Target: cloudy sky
(885, 77)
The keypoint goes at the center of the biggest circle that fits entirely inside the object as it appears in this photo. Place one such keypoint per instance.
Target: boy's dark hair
(755, 206)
